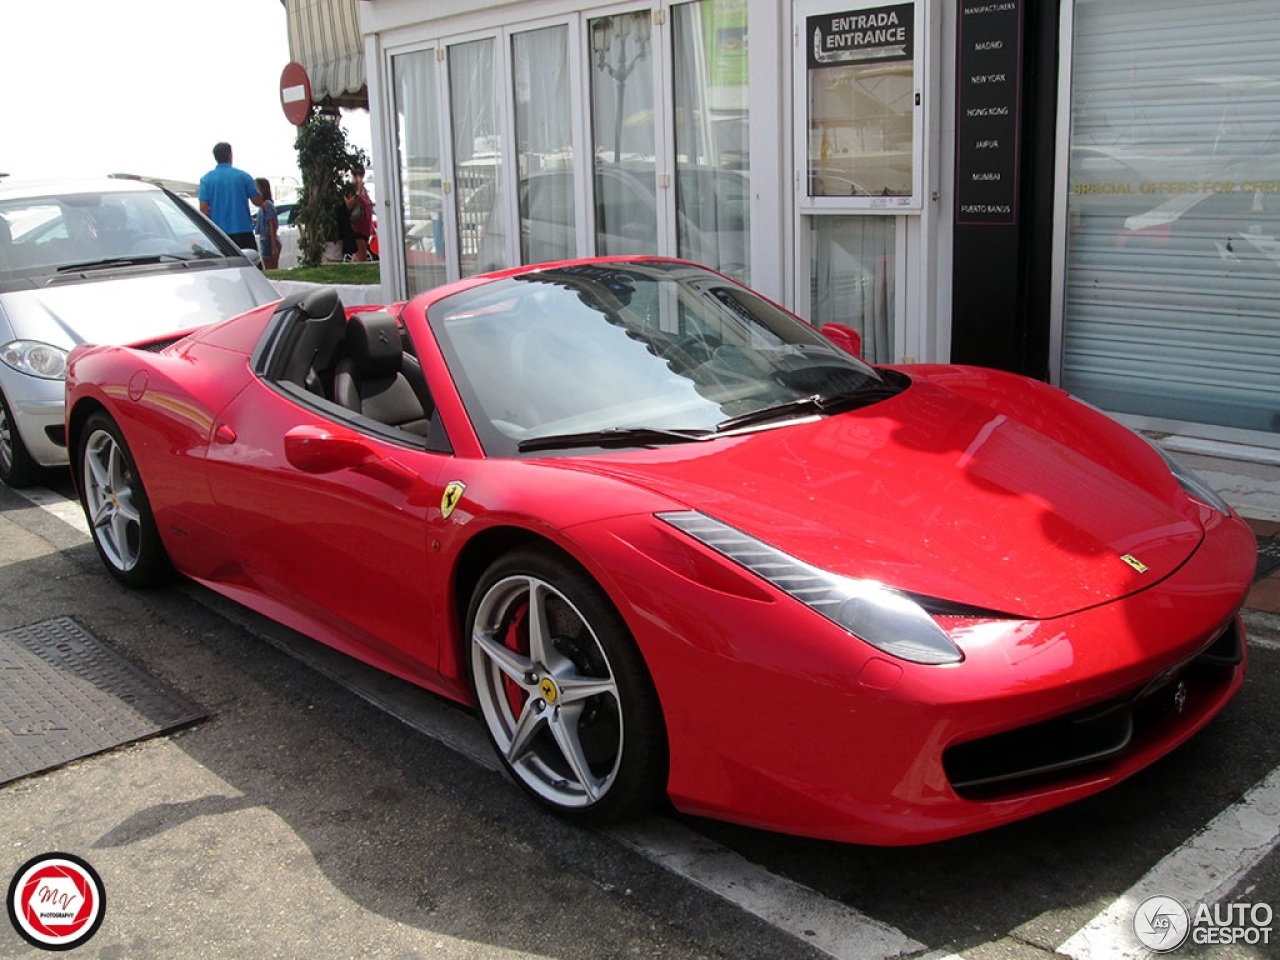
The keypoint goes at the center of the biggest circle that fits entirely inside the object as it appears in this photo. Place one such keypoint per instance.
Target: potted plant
(324, 159)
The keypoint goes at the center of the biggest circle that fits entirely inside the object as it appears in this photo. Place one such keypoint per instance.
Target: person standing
(360, 208)
(266, 224)
(225, 195)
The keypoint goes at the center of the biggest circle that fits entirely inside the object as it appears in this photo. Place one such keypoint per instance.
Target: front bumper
(38, 411)
(779, 720)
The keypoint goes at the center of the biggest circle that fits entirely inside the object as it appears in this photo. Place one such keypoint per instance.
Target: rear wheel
(117, 508)
(17, 468)
(565, 695)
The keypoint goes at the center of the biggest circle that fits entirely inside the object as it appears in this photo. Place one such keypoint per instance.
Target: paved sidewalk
(298, 821)
(1248, 479)
(1265, 595)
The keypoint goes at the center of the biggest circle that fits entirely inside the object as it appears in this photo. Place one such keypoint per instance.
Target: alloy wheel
(109, 500)
(547, 692)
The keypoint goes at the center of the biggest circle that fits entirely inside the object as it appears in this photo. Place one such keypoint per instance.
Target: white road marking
(834, 929)
(1203, 870)
(68, 511)
(830, 926)
(1262, 629)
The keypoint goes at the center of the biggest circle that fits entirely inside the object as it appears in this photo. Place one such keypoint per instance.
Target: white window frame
(914, 203)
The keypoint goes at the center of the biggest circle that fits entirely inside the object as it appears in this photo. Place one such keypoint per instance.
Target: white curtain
(477, 145)
(711, 115)
(418, 147)
(852, 278)
(622, 127)
(544, 143)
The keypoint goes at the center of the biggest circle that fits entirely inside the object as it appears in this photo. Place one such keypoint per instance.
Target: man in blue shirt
(225, 195)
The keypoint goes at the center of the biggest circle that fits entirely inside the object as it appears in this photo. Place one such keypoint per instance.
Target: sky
(94, 87)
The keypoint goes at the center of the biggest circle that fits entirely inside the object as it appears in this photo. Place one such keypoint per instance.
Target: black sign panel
(855, 37)
(989, 64)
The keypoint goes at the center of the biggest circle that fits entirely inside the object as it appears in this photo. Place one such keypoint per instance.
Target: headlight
(1192, 485)
(35, 359)
(1196, 488)
(885, 618)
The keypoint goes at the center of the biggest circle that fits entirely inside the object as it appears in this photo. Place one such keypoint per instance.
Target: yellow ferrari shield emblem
(452, 494)
(1134, 562)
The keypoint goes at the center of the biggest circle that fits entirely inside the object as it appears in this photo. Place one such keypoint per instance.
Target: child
(265, 225)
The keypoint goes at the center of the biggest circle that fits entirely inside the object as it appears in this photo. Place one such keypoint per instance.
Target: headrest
(373, 344)
(317, 303)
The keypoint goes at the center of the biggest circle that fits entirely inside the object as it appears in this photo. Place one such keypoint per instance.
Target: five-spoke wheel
(564, 693)
(116, 506)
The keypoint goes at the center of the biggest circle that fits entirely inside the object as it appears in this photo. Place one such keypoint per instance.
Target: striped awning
(324, 36)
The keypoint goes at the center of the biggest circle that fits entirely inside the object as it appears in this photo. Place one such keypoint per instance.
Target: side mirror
(317, 449)
(844, 337)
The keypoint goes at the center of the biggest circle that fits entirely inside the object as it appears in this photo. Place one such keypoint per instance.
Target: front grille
(1039, 754)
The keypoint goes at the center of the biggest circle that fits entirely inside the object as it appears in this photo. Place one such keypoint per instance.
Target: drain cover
(63, 695)
(1268, 557)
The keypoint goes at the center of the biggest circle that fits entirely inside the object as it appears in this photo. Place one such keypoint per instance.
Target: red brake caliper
(517, 640)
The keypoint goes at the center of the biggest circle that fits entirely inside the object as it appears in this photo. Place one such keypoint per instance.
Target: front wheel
(116, 506)
(565, 695)
(17, 467)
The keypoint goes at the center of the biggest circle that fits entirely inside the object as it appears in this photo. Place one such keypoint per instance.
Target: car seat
(377, 379)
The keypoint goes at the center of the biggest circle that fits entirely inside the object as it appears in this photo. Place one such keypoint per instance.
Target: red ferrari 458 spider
(670, 540)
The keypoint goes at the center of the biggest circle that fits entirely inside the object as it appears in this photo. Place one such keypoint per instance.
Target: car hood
(942, 496)
(125, 307)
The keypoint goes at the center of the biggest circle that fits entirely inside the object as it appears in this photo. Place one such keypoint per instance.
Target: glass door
(710, 110)
(546, 194)
(853, 278)
(477, 112)
(415, 80)
(623, 131)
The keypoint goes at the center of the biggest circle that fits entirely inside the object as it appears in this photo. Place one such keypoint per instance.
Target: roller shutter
(1172, 301)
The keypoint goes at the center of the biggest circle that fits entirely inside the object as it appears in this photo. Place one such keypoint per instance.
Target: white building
(1082, 190)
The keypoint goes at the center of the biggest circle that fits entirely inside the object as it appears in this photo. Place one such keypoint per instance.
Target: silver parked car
(98, 261)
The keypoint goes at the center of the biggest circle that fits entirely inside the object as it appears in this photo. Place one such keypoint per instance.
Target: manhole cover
(1268, 557)
(63, 695)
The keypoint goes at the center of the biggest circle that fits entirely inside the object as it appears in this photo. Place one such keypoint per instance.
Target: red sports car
(669, 539)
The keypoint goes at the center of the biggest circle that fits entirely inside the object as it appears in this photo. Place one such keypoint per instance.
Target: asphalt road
(324, 811)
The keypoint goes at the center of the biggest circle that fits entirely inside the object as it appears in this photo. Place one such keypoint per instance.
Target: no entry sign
(295, 93)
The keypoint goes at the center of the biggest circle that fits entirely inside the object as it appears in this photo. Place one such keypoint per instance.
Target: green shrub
(325, 159)
(338, 273)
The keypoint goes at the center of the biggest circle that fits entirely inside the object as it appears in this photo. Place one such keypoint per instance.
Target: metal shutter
(1172, 299)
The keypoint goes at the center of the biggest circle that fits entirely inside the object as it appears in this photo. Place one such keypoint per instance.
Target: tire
(116, 506)
(563, 690)
(17, 468)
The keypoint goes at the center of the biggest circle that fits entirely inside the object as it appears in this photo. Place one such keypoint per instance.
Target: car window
(46, 236)
(588, 348)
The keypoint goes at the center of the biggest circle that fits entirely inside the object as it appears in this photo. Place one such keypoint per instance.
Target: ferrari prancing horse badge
(452, 494)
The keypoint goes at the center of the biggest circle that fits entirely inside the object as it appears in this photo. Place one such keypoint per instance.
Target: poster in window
(862, 138)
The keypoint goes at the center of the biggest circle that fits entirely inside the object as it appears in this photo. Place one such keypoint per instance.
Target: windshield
(644, 347)
(50, 236)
